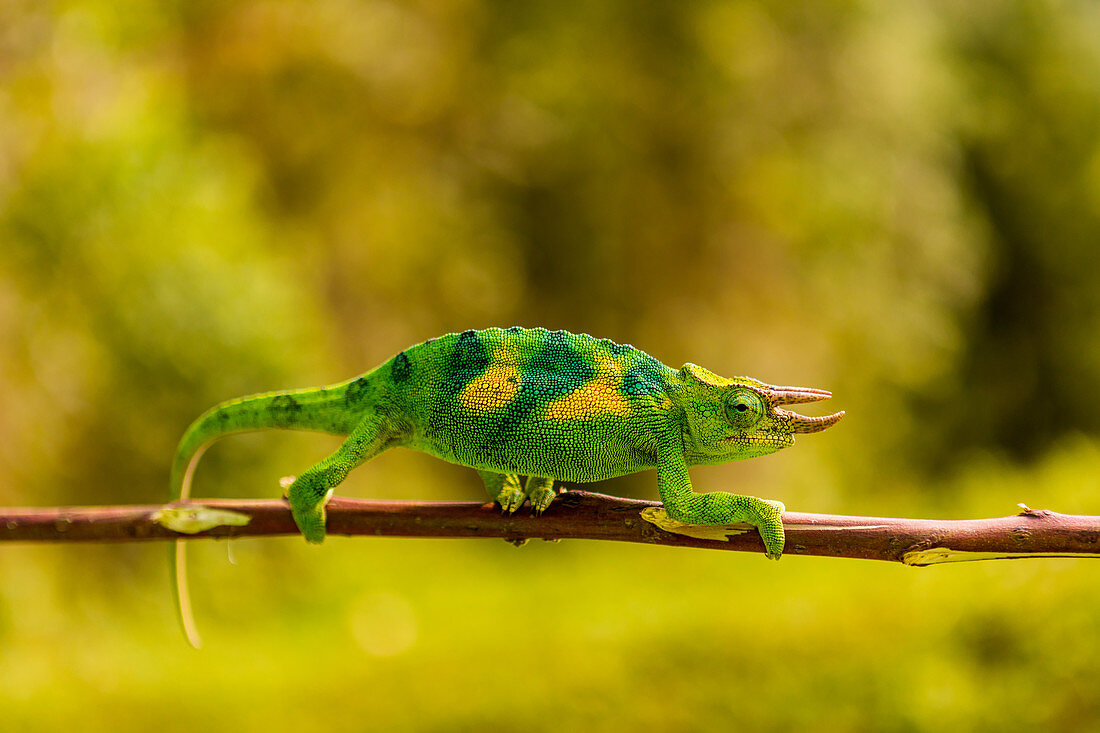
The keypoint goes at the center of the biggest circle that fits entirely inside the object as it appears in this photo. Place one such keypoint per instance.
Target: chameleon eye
(744, 408)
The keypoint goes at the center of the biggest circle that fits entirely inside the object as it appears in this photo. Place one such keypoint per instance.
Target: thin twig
(585, 515)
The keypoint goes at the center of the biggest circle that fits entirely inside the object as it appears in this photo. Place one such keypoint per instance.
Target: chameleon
(550, 406)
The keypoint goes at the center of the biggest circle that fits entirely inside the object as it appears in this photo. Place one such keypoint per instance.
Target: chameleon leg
(541, 491)
(309, 492)
(719, 507)
(505, 489)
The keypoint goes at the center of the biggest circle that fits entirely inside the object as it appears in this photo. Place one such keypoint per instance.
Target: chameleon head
(732, 419)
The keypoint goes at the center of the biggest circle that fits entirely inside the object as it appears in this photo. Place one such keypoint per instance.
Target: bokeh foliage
(899, 202)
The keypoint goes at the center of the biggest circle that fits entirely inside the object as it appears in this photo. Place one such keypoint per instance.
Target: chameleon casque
(548, 405)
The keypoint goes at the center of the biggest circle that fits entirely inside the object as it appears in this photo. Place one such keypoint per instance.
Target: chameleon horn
(803, 424)
(797, 395)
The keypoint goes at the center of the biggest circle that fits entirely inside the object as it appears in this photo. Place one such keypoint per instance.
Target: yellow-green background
(896, 201)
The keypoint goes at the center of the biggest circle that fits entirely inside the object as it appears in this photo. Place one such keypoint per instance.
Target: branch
(576, 515)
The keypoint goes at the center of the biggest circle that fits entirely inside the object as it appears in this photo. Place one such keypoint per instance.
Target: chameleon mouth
(800, 395)
(771, 438)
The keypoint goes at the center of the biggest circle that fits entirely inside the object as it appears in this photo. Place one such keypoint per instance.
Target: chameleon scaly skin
(549, 405)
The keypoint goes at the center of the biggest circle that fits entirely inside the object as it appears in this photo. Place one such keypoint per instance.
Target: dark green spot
(355, 392)
(468, 360)
(285, 409)
(285, 403)
(400, 368)
(558, 367)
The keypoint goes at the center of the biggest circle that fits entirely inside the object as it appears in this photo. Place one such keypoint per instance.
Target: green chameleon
(548, 405)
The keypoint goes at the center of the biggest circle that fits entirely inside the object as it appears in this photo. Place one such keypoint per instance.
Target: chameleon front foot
(720, 508)
(505, 489)
(771, 527)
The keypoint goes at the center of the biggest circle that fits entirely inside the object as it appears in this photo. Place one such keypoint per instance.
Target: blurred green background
(899, 202)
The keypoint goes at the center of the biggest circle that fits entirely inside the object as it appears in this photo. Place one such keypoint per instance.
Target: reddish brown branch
(584, 515)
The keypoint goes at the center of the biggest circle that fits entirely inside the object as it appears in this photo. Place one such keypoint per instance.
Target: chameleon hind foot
(541, 491)
(505, 489)
(511, 499)
(311, 490)
(307, 497)
(310, 517)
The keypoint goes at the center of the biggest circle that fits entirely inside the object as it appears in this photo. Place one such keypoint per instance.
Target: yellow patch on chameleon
(492, 390)
(594, 398)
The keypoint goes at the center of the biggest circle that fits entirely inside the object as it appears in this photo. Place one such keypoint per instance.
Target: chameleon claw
(511, 500)
(540, 502)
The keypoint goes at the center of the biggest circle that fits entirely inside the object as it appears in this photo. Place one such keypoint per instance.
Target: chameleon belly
(574, 450)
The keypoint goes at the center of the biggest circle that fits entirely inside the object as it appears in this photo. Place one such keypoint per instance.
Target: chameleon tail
(183, 468)
(177, 558)
(319, 409)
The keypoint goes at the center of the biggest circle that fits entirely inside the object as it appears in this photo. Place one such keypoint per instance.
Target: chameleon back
(532, 402)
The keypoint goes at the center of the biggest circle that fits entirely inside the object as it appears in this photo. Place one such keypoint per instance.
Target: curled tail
(323, 409)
